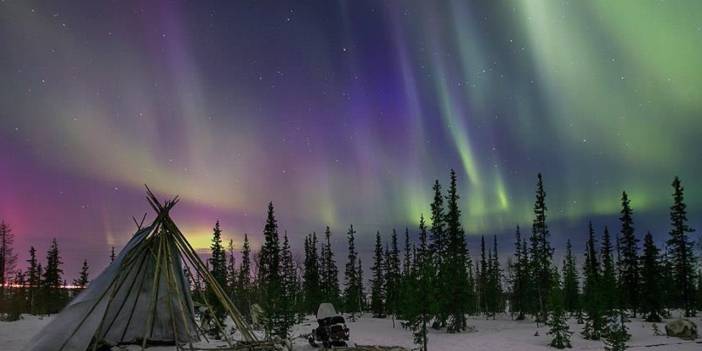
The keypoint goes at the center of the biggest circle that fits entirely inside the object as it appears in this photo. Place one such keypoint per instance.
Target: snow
(500, 334)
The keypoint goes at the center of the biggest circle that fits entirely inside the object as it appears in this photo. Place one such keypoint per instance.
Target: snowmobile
(331, 329)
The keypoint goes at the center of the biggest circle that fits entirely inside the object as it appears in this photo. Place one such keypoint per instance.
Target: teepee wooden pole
(189, 252)
(188, 249)
(232, 310)
(154, 299)
(139, 224)
(170, 275)
(208, 306)
(170, 293)
(187, 268)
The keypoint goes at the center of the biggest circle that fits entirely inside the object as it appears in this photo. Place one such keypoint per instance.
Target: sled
(331, 330)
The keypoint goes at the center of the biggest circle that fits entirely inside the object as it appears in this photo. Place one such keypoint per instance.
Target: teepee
(143, 297)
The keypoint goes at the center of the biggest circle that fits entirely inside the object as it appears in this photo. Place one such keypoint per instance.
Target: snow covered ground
(501, 334)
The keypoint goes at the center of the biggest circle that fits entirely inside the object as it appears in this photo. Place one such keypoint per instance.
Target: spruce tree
(218, 269)
(681, 252)
(378, 280)
(269, 276)
(82, 280)
(425, 278)
(592, 299)
(8, 259)
(218, 260)
(489, 280)
(629, 268)
(334, 289)
(323, 274)
(361, 287)
(407, 257)
(405, 282)
(289, 290)
(482, 285)
(33, 278)
(323, 270)
(531, 298)
(423, 251)
(541, 252)
(520, 282)
(52, 280)
(112, 254)
(617, 334)
(351, 292)
(608, 281)
(557, 321)
(438, 225)
(330, 273)
(491, 298)
(244, 291)
(437, 247)
(392, 277)
(457, 262)
(231, 270)
(571, 289)
(495, 280)
(667, 282)
(419, 305)
(311, 283)
(510, 277)
(651, 278)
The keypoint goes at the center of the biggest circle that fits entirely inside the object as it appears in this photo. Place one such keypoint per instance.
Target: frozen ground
(501, 334)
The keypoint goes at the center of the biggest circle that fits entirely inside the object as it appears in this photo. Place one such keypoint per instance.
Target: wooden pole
(232, 310)
(172, 284)
(170, 292)
(152, 305)
(199, 326)
(187, 250)
(209, 307)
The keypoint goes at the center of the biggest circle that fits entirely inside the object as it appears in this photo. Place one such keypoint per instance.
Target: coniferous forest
(426, 278)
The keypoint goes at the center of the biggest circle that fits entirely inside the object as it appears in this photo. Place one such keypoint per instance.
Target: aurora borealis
(343, 112)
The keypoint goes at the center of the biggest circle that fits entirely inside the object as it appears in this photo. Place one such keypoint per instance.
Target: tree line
(38, 289)
(433, 281)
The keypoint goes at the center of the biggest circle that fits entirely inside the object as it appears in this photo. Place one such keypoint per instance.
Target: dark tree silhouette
(311, 284)
(269, 276)
(82, 280)
(8, 259)
(378, 280)
(681, 253)
(629, 266)
(651, 278)
(541, 252)
(592, 295)
(571, 286)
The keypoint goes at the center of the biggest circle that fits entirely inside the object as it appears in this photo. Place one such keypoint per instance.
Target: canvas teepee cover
(142, 298)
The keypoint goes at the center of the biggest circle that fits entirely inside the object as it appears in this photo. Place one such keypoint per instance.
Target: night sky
(343, 112)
